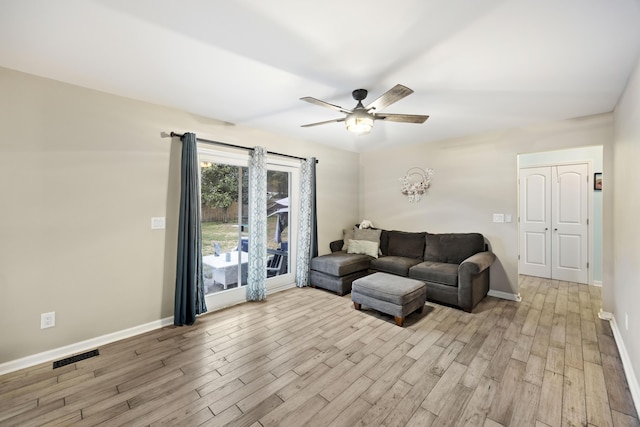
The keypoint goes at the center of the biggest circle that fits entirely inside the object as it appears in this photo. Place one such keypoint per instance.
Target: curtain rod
(226, 144)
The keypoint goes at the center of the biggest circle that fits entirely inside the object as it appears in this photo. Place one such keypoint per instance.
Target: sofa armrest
(336, 245)
(473, 279)
(477, 263)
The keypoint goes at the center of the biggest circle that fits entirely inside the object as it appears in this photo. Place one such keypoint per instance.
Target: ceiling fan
(360, 119)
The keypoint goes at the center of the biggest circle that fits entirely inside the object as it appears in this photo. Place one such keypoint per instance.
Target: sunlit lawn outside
(227, 235)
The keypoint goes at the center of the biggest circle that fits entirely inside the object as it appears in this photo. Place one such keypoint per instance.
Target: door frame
(590, 228)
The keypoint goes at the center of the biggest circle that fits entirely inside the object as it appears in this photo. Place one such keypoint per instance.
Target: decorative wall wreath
(415, 183)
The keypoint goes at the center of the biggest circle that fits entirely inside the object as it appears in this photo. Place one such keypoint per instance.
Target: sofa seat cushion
(394, 264)
(340, 263)
(389, 288)
(436, 272)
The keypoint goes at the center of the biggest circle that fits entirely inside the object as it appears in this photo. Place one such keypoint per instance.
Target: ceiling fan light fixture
(360, 119)
(359, 122)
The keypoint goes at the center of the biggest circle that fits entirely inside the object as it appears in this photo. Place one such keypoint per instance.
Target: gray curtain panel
(314, 212)
(189, 296)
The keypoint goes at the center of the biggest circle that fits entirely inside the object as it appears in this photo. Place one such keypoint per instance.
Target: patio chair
(276, 264)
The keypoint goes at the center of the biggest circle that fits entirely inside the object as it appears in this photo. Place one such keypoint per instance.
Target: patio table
(226, 272)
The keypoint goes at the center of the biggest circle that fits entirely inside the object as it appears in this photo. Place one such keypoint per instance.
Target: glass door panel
(224, 198)
(278, 184)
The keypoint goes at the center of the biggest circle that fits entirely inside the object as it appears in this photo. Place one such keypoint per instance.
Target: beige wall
(623, 296)
(474, 177)
(81, 174)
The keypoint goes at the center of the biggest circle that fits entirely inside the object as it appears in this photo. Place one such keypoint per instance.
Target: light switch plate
(498, 217)
(157, 223)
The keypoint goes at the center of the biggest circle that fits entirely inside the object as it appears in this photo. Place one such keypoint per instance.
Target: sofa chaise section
(337, 270)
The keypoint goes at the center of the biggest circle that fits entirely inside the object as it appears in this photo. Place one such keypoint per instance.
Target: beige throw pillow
(367, 234)
(370, 234)
(347, 234)
(364, 247)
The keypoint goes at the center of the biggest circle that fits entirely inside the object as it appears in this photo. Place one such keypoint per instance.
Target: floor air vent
(76, 358)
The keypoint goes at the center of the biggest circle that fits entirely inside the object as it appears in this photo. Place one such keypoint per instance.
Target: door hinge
(587, 265)
(587, 221)
(518, 257)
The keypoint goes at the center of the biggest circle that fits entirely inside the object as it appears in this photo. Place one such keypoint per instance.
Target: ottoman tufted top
(388, 287)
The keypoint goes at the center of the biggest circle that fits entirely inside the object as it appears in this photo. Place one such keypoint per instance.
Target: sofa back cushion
(452, 248)
(405, 244)
(384, 242)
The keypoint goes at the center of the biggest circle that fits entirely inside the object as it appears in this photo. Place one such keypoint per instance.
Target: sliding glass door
(225, 206)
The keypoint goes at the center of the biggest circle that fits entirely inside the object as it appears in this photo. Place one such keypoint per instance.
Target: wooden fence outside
(217, 214)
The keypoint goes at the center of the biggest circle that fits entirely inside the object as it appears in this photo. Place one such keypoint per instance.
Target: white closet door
(570, 223)
(553, 222)
(535, 221)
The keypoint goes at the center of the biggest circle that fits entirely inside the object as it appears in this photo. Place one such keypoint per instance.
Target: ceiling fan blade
(325, 104)
(391, 96)
(403, 118)
(324, 123)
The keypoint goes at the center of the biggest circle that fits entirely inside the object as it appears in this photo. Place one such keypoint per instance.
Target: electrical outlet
(48, 320)
(498, 217)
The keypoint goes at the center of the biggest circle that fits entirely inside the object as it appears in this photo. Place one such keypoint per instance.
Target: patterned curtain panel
(307, 230)
(257, 274)
(189, 295)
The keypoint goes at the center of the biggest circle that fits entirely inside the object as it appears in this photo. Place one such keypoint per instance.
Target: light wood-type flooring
(306, 357)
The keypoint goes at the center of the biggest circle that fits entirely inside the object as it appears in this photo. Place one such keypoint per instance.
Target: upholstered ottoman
(389, 294)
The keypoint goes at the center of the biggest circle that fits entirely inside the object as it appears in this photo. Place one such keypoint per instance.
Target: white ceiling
(475, 65)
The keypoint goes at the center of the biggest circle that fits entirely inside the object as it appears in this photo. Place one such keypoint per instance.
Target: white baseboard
(90, 344)
(597, 283)
(632, 380)
(282, 287)
(79, 347)
(505, 295)
(605, 315)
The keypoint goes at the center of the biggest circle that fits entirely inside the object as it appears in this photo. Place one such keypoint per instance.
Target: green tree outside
(219, 187)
